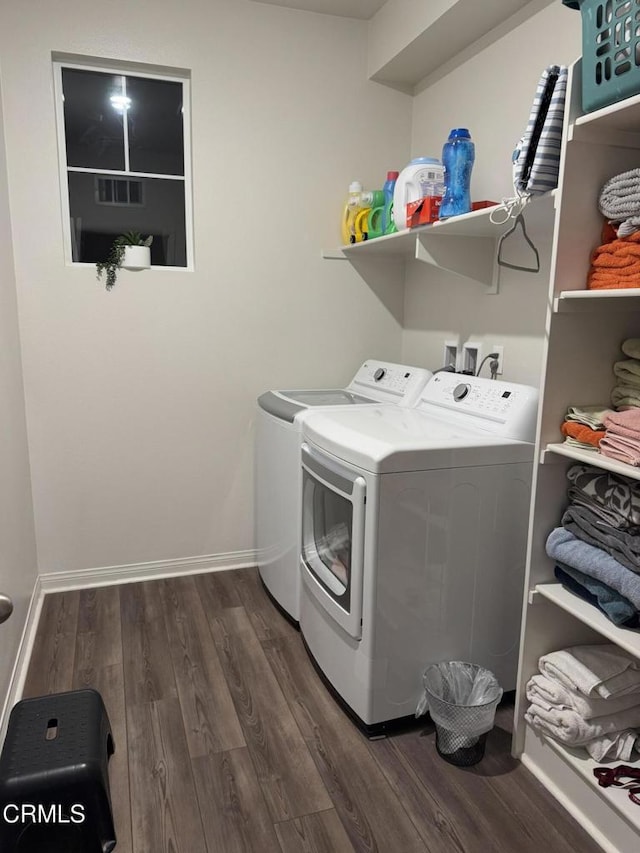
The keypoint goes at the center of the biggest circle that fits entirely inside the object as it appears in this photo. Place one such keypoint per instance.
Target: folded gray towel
(625, 395)
(586, 525)
(617, 494)
(631, 347)
(562, 545)
(608, 516)
(619, 201)
(628, 372)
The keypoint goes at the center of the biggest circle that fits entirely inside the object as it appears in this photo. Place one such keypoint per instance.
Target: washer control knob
(380, 372)
(461, 391)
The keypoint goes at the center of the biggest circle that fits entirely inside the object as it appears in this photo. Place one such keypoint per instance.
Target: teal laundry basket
(610, 50)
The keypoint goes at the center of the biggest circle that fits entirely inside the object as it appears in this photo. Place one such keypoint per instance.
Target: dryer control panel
(502, 408)
(385, 381)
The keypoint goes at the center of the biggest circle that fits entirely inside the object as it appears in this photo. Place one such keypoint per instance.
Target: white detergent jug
(422, 177)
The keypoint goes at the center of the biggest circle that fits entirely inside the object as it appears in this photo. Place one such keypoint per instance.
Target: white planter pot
(136, 258)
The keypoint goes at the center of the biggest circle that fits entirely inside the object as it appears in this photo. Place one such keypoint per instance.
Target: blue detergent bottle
(387, 224)
(458, 155)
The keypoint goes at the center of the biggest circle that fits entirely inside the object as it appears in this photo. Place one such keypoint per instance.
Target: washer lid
(287, 404)
(385, 439)
(374, 382)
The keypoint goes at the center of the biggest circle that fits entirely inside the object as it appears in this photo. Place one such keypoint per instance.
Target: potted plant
(129, 251)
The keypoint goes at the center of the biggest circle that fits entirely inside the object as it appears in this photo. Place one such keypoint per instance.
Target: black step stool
(54, 778)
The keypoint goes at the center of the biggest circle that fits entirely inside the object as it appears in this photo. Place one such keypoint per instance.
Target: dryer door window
(333, 501)
(326, 538)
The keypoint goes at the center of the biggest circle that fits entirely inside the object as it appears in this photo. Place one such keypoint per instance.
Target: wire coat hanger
(519, 220)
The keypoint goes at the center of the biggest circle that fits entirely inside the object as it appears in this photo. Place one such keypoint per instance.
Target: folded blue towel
(615, 607)
(589, 527)
(562, 545)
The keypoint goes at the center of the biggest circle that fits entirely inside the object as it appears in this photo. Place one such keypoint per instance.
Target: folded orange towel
(616, 264)
(583, 433)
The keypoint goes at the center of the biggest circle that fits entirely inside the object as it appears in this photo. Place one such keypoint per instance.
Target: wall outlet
(500, 350)
(471, 356)
(450, 356)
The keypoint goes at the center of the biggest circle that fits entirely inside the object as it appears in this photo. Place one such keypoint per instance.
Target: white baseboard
(23, 656)
(109, 575)
(104, 576)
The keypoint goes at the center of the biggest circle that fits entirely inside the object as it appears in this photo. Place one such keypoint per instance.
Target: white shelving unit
(465, 245)
(568, 301)
(584, 330)
(447, 30)
(590, 457)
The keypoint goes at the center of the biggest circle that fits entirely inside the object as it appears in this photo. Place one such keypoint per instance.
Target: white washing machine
(414, 531)
(278, 474)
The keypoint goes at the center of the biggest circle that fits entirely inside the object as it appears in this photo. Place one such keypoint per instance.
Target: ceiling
(364, 9)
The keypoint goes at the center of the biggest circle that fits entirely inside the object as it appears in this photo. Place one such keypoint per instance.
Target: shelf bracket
(469, 257)
(534, 597)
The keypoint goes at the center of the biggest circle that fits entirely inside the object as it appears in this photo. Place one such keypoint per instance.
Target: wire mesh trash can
(462, 700)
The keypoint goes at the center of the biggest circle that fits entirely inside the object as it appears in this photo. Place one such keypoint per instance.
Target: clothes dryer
(278, 473)
(414, 531)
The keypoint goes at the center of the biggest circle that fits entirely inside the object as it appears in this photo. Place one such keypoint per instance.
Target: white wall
(491, 94)
(17, 540)
(140, 402)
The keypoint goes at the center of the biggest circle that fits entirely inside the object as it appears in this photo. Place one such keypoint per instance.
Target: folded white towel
(570, 728)
(549, 694)
(631, 347)
(589, 415)
(594, 670)
(628, 372)
(617, 746)
(583, 445)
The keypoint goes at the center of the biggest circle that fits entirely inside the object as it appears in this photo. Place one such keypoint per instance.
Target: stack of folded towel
(622, 436)
(583, 426)
(597, 548)
(614, 432)
(626, 392)
(616, 264)
(619, 202)
(588, 696)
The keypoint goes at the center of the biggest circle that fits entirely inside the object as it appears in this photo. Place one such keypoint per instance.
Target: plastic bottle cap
(460, 133)
(355, 187)
(426, 160)
(392, 176)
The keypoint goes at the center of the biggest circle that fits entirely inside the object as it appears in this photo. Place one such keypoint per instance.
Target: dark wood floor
(226, 740)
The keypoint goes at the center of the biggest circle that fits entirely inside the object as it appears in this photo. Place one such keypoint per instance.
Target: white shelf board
(623, 117)
(575, 301)
(591, 457)
(475, 224)
(579, 762)
(627, 638)
(400, 243)
(446, 35)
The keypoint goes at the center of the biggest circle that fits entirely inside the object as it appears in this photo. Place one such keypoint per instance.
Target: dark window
(124, 161)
